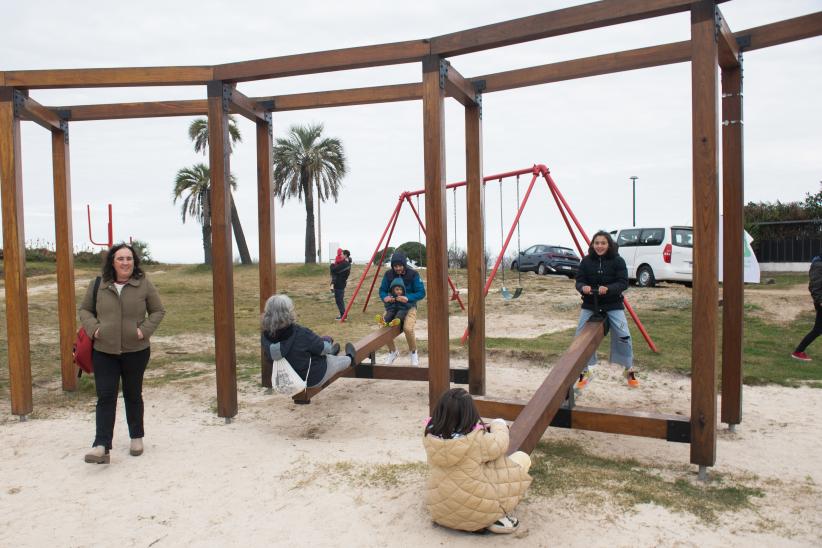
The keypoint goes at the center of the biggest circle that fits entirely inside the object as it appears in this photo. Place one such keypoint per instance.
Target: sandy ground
(287, 474)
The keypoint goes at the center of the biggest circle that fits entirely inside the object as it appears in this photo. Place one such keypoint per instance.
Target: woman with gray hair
(283, 337)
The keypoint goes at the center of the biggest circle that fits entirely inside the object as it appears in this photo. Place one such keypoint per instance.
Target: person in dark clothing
(815, 288)
(340, 269)
(312, 357)
(414, 291)
(396, 310)
(601, 279)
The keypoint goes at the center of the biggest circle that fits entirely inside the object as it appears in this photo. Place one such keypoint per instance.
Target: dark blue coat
(298, 345)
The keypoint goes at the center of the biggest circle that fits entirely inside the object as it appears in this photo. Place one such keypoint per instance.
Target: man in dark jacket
(340, 269)
(414, 291)
(815, 288)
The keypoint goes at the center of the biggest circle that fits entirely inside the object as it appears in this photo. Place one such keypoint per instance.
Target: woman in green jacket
(128, 310)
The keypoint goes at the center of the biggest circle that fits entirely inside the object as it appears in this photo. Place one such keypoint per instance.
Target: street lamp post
(633, 185)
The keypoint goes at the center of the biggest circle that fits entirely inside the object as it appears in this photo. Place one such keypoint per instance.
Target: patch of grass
(782, 280)
(565, 468)
(384, 476)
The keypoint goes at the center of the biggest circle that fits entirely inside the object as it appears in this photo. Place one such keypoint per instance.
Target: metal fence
(787, 250)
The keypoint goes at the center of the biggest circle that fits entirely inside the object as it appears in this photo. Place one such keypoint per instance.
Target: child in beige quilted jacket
(472, 484)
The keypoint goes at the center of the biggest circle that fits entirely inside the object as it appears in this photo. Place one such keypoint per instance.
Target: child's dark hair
(455, 413)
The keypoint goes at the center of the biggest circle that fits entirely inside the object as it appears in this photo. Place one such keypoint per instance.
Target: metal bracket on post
(444, 64)
(19, 103)
(64, 127)
(743, 42)
(717, 24)
(227, 91)
(479, 87)
(269, 123)
(733, 122)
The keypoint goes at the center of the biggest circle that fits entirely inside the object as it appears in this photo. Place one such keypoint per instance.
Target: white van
(657, 254)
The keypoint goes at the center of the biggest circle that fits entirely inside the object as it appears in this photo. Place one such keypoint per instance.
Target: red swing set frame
(535, 171)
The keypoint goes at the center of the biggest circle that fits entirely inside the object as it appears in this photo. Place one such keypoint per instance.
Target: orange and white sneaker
(630, 375)
(585, 379)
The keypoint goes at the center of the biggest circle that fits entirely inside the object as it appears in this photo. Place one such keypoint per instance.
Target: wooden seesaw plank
(537, 415)
(361, 350)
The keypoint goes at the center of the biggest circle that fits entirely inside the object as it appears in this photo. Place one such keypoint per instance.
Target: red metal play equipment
(562, 205)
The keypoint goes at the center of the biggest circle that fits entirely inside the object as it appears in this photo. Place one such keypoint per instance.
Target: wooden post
(222, 267)
(14, 254)
(433, 99)
(732, 235)
(265, 221)
(704, 98)
(476, 248)
(66, 306)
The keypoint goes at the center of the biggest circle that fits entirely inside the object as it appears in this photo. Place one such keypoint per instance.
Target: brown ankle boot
(136, 448)
(98, 455)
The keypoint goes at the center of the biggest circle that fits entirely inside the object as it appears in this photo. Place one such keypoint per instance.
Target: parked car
(547, 259)
(657, 254)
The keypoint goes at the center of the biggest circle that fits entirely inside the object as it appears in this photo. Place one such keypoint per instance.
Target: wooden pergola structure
(712, 44)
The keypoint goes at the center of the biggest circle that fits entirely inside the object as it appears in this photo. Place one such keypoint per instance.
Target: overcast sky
(592, 133)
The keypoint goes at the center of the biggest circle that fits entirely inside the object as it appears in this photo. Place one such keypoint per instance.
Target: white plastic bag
(284, 380)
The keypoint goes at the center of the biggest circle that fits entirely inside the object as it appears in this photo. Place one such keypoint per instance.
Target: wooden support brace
(537, 415)
(458, 87)
(244, 106)
(611, 421)
(728, 47)
(35, 112)
(381, 372)
(119, 111)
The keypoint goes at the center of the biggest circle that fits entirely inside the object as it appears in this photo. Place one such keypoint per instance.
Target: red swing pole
(628, 307)
(490, 279)
(391, 220)
(384, 250)
(450, 283)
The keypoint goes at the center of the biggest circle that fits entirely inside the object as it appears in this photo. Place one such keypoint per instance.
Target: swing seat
(507, 295)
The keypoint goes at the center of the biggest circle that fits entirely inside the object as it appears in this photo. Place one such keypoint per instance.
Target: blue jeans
(622, 350)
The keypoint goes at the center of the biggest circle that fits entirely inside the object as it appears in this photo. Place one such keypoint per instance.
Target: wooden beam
(433, 97)
(346, 97)
(728, 47)
(666, 54)
(120, 111)
(553, 23)
(63, 236)
(381, 372)
(458, 87)
(362, 348)
(37, 113)
(323, 61)
(611, 421)
(14, 255)
(109, 77)
(244, 106)
(222, 266)
(540, 410)
(781, 32)
(733, 295)
(705, 150)
(475, 222)
(265, 224)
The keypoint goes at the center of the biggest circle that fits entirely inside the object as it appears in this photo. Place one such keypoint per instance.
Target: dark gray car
(547, 259)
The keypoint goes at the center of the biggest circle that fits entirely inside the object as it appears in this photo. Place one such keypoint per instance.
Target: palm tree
(305, 161)
(198, 133)
(195, 184)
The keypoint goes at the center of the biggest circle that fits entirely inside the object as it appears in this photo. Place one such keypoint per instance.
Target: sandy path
(202, 482)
